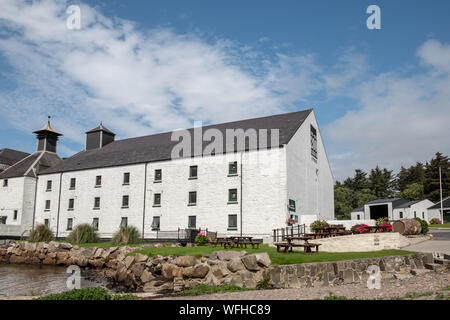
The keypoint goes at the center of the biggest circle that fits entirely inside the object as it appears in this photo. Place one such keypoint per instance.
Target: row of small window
(156, 222)
(3, 218)
(232, 198)
(193, 171)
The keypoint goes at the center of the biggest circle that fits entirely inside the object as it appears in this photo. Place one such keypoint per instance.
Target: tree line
(418, 182)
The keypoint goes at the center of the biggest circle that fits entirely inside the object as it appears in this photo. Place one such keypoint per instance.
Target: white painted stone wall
(18, 195)
(434, 213)
(360, 242)
(309, 183)
(419, 210)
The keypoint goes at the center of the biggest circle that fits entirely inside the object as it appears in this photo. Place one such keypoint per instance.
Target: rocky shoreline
(140, 273)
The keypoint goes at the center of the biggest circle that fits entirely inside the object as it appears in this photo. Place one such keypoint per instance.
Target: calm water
(23, 280)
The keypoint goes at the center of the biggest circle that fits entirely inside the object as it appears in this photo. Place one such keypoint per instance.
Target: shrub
(360, 228)
(201, 239)
(424, 225)
(97, 293)
(316, 225)
(127, 235)
(435, 221)
(381, 221)
(385, 226)
(41, 233)
(83, 233)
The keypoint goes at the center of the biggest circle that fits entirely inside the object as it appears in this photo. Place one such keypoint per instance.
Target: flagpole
(440, 186)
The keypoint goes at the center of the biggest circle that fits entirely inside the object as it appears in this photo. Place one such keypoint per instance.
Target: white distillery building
(251, 189)
(394, 209)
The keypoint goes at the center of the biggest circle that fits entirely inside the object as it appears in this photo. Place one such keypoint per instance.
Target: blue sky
(380, 96)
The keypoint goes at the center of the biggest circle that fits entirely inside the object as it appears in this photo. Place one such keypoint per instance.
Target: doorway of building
(379, 211)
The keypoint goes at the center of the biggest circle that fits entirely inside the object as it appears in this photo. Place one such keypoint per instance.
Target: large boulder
(138, 258)
(169, 271)
(147, 276)
(250, 262)
(235, 265)
(228, 255)
(263, 259)
(186, 261)
(198, 271)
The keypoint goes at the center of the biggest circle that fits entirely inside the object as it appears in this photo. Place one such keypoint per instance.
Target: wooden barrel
(407, 226)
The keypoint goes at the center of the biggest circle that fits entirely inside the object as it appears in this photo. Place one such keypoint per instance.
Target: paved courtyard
(440, 243)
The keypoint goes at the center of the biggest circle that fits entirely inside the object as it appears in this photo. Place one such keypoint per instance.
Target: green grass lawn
(276, 258)
(445, 225)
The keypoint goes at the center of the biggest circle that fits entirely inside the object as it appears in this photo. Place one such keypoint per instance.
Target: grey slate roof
(396, 202)
(358, 209)
(158, 147)
(445, 204)
(407, 204)
(10, 156)
(101, 127)
(25, 166)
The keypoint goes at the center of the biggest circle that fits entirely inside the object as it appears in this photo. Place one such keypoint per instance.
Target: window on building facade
(124, 222)
(97, 203)
(46, 222)
(125, 201)
(401, 215)
(47, 204)
(232, 195)
(193, 172)
(71, 204)
(313, 143)
(3, 219)
(126, 178)
(158, 175)
(415, 215)
(72, 183)
(232, 168)
(358, 217)
(295, 217)
(155, 223)
(157, 200)
(69, 224)
(98, 181)
(192, 222)
(232, 222)
(423, 215)
(15, 215)
(49, 185)
(95, 223)
(5, 182)
(192, 198)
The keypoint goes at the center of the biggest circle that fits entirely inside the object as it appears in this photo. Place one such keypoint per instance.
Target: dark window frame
(71, 224)
(157, 199)
(49, 185)
(48, 205)
(122, 224)
(232, 226)
(95, 203)
(190, 225)
(126, 178)
(230, 196)
(193, 169)
(153, 225)
(72, 187)
(313, 133)
(192, 203)
(127, 204)
(15, 214)
(71, 204)
(98, 181)
(95, 226)
(232, 172)
(156, 177)
(5, 183)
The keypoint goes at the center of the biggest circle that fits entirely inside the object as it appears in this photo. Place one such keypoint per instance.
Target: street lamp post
(440, 186)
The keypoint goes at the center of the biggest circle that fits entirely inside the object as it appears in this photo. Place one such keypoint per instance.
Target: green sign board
(291, 205)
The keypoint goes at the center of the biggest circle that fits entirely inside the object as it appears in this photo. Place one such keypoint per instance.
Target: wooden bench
(287, 246)
(307, 247)
(256, 243)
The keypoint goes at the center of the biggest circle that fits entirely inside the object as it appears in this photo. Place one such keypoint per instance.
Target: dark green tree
(381, 182)
(431, 181)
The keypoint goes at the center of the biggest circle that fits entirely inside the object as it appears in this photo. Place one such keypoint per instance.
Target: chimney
(47, 138)
(99, 137)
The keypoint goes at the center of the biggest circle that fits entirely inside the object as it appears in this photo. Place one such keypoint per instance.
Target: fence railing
(292, 231)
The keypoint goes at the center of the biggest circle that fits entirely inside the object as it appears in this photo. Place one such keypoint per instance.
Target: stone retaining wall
(164, 274)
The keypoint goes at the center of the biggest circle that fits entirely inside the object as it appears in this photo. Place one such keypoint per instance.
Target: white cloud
(402, 119)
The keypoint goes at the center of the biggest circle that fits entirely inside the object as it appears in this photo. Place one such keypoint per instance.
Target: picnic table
(288, 245)
(236, 241)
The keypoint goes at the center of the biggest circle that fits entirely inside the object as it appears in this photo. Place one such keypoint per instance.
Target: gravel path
(428, 285)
